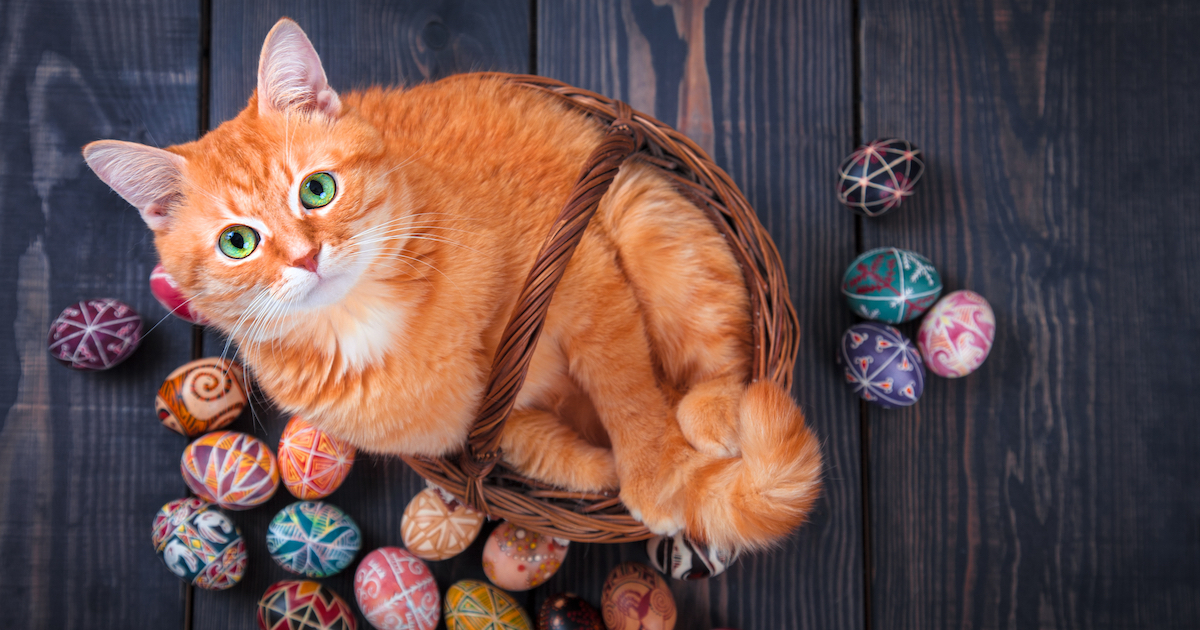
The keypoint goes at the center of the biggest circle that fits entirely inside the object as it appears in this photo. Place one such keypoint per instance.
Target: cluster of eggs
(892, 286)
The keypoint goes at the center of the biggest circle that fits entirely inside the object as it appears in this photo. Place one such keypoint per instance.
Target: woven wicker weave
(477, 476)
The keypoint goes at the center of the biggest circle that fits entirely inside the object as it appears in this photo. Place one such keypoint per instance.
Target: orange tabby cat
(365, 251)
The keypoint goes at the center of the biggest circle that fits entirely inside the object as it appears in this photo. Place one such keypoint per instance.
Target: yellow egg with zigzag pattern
(473, 605)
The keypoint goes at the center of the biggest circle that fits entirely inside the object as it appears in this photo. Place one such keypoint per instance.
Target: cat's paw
(708, 418)
(661, 524)
(644, 503)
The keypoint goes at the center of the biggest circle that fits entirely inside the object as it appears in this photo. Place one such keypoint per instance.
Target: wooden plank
(361, 44)
(765, 87)
(1055, 487)
(84, 463)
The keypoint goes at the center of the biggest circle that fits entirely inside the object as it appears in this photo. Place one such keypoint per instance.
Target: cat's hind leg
(542, 447)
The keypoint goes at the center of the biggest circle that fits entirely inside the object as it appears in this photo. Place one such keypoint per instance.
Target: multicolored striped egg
(882, 365)
(232, 469)
(957, 334)
(199, 544)
(396, 591)
(473, 605)
(437, 527)
(303, 605)
(891, 285)
(313, 539)
(312, 463)
(201, 396)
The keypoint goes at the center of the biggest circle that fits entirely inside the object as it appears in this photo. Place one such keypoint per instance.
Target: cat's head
(272, 213)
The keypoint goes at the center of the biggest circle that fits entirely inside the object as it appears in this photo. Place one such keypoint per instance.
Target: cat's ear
(290, 76)
(146, 177)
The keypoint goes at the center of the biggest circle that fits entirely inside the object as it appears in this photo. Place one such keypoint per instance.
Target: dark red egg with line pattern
(568, 611)
(95, 334)
(879, 175)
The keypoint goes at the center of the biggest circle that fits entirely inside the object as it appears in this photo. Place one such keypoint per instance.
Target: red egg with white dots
(518, 559)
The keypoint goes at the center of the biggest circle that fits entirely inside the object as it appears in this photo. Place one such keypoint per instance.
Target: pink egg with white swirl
(957, 334)
(166, 291)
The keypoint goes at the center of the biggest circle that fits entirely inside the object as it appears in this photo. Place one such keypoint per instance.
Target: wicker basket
(477, 476)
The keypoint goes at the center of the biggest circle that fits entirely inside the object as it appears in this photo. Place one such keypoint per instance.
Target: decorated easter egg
(95, 334)
(473, 605)
(684, 559)
(882, 365)
(166, 291)
(568, 611)
(436, 526)
(229, 468)
(313, 539)
(891, 285)
(312, 463)
(635, 597)
(879, 175)
(199, 544)
(201, 396)
(303, 605)
(396, 591)
(518, 559)
(957, 334)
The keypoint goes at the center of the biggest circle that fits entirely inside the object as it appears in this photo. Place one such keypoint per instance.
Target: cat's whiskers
(172, 312)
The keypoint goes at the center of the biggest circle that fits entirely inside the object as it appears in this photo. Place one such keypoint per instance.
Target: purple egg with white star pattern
(95, 334)
(882, 365)
(879, 175)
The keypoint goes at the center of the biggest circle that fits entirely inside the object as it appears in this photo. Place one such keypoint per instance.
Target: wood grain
(84, 463)
(360, 44)
(765, 86)
(1055, 487)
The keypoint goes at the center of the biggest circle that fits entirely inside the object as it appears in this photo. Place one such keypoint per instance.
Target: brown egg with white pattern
(435, 526)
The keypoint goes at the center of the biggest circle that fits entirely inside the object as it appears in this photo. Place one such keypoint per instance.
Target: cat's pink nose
(308, 261)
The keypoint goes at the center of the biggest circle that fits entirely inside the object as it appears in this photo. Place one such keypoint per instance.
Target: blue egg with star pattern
(891, 285)
(881, 365)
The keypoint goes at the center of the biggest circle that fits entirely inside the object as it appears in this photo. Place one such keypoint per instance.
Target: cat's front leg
(542, 447)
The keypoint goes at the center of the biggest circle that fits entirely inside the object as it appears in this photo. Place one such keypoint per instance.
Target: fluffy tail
(753, 501)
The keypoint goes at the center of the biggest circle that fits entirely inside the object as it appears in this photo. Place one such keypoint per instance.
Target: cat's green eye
(317, 190)
(238, 241)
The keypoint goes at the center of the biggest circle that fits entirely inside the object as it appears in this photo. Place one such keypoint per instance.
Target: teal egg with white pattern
(891, 285)
(313, 539)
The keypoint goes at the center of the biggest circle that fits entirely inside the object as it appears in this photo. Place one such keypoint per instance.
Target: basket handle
(520, 336)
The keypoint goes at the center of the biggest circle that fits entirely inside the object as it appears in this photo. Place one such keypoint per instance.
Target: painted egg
(312, 463)
(879, 175)
(201, 396)
(568, 612)
(229, 468)
(199, 544)
(95, 334)
(473, 605)
(518, 559)
(683, 559)
(636, 597)
(396, 591)
(957, 334)
(436, 526)
(882, 365)
(313, 539)
(891, 285)
(166, 291)
(303, 605)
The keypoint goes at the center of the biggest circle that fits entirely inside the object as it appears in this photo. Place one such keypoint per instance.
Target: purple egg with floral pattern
(882, 365)
(879, 175)
(95, 334)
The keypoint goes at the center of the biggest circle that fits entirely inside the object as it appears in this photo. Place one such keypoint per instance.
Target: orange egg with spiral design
(636, 597)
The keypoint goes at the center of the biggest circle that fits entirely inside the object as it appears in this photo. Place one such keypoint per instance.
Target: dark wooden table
(1055, 488)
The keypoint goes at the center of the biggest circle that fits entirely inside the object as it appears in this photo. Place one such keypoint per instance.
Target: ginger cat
(365, 251)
